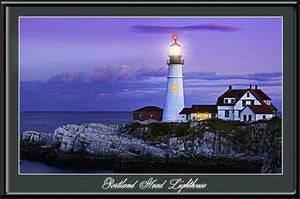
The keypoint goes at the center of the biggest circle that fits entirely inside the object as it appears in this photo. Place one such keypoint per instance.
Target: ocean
(47, 122)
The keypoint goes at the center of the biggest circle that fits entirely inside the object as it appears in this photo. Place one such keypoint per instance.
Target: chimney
(230, 87)
(250, 86)
(255, 87)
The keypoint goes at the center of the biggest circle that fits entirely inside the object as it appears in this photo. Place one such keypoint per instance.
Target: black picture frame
(5, 76)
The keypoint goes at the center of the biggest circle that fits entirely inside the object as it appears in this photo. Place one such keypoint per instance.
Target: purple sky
(119, 64)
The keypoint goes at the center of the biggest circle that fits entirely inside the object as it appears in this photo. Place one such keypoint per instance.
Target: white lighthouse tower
(174, 98)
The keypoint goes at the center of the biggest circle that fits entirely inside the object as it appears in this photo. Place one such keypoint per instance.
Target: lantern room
(175, 52)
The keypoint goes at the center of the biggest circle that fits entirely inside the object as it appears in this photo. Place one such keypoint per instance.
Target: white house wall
(247, 111)
(239, 104)
(221, 112)
(234, 110)
(260, 116)
(183, 117)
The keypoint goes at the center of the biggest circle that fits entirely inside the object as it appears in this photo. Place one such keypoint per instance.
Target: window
(245, 118)
(264, 117)
(244, 102)
(232, 101)
(140, 115)
(252, 102)
(226, 113)
(226, 101)
(250, 117)
(248, 94)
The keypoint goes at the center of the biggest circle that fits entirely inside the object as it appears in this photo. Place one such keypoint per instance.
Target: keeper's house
(148, 113)
(245, 105)
(199, 112)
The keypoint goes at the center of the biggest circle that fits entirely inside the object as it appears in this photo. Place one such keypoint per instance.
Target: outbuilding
(148, 113)
(199, 112)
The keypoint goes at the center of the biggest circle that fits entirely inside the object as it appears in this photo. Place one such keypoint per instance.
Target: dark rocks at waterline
(114, 147)
(198, 164)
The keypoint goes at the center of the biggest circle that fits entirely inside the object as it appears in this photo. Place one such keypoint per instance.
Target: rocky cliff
(207, 146)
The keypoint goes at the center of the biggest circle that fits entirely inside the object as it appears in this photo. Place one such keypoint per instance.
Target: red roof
(273, 108)
(200, 108)
(204, 108)
(259, 94)
(238, 93)
(149, 108)
(185, 111)
(261, 109)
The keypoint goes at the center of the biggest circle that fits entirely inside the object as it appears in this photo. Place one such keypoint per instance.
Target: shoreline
(137, 148)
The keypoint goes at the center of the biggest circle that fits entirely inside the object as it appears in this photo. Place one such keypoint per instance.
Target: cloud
(117, 74)
(151, 72)
(109, 75)
(124, 88)
(98, 75)
(214, 76)
(172, 29)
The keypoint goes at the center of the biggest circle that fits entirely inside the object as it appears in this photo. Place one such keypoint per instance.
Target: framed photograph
(150, 98)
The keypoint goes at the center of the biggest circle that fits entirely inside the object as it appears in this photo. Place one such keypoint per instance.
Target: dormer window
(268, 102)
(229, 100)
(248, 94)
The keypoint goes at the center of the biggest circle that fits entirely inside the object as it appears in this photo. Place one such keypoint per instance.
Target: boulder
(33, 138)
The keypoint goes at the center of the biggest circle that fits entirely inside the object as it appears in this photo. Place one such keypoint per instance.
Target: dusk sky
(119, 64)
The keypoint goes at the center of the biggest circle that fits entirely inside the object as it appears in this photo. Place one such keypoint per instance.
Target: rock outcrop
(115, 147)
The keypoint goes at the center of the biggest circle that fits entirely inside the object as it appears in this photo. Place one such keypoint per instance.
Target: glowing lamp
(174, 37)
(175, 49)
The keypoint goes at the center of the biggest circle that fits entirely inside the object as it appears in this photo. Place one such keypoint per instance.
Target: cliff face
(266, 140)
(190, 147)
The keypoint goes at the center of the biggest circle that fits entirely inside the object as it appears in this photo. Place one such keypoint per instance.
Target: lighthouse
(174, 98)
